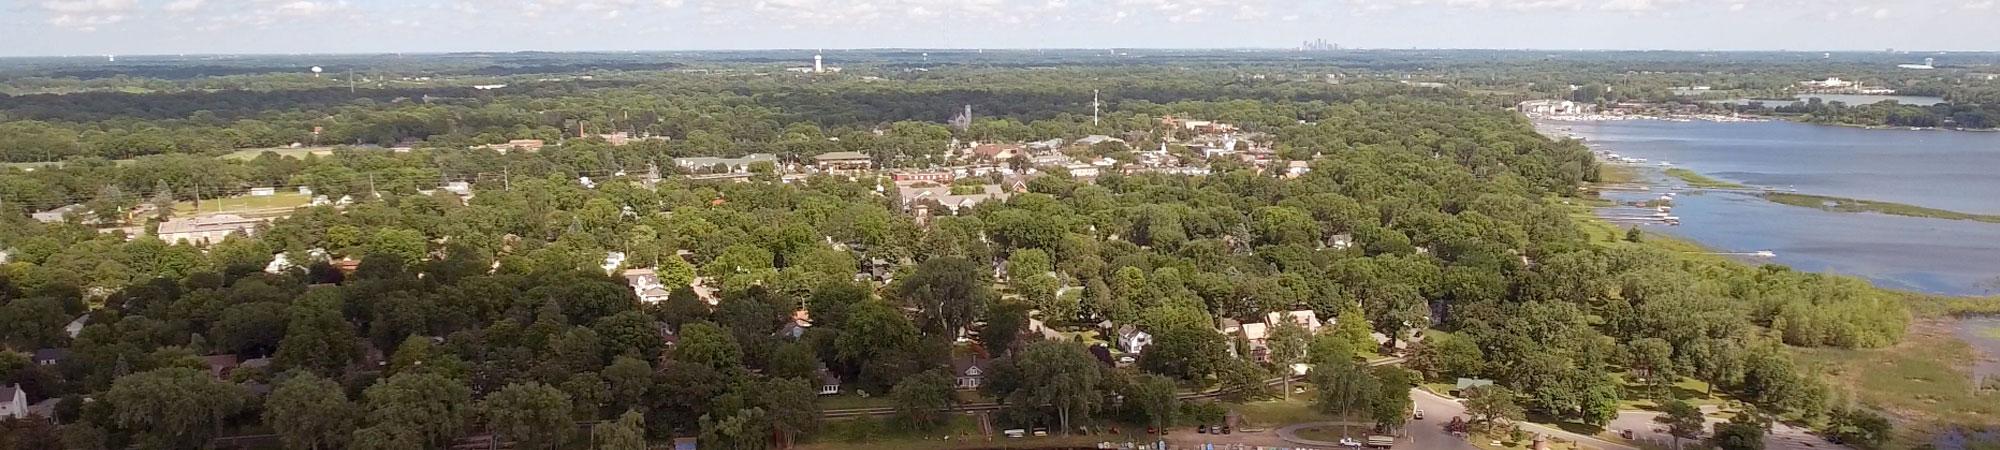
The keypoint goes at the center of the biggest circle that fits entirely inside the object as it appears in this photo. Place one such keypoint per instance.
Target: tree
(629, 378)
(1184, 345)
(792, 406)
(1492, 406)
(709, 345)
(1653, 359)
(317, 338)
(747, 429)
(174, 407)
(1634, 235)
(1346, 389)
(1156, 396)
(424, 406)
(1443, 356)
(1004, 324)
(1391, 404)
(1287, 345)
(627, 433)
(1242, 381)
(922, 399)
(949, 291)
(1737, 435)
(1062, 375)
(310, 412)
(1683, 420)
(531, 414)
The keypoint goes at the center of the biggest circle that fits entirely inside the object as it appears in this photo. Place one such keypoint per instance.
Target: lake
(1940, 169)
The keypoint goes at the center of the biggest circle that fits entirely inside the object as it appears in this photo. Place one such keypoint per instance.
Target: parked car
(1202, 429)
(1420, 414)
(1350, 443)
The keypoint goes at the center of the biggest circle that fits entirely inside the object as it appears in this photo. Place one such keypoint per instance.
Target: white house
(13, 402)
(1305, 318)
(1132, 340)
(646, 284)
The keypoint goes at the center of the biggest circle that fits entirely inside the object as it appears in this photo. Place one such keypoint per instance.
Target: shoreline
(1744, 118)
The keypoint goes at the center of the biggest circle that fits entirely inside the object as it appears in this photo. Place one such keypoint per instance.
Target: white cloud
(183, 5)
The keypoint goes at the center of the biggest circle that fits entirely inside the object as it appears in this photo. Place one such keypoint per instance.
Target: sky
(134, 27)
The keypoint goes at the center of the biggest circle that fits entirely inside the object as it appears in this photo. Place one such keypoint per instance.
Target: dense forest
(496, 314)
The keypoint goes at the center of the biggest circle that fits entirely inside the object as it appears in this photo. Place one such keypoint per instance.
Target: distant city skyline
(134, 27)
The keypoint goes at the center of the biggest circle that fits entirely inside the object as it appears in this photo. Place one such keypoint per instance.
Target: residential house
(1133, 340)
(829, 384)
(50, 356)
(1305, 318)
(1047, 145)
(206, 229)
(56, 215)
(645, 283)
(1083, 170)
(13, 402)
(941, 176)
(75, 326)
(1341, 241)
(997, 152)
(1458, 389)
(1095, 139)
(705, 164)
(220, 366)
(1295, 169)
(970, 371)
(912, 194)
(1259, 338)
(844, 161)
(521, 145)
(795, 328)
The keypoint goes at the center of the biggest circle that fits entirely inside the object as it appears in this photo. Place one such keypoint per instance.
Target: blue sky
(94, 27)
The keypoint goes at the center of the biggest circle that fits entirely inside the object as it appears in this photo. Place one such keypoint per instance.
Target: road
(1429, 434)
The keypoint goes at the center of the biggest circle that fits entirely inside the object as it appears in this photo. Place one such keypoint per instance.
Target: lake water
(1950, 170)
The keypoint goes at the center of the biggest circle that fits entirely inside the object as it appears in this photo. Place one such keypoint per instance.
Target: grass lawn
(301, 152)
(1924, 381)
(1617, 174)
(1702, 181)
(1688, 390)
(1279, 412)
(282, 200)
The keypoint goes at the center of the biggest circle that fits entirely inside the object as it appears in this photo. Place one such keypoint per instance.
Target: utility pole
(350, 80)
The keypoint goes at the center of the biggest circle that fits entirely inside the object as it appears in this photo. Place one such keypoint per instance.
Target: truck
(1381, 441)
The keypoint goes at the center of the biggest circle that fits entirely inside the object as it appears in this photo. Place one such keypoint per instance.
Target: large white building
(206, 229)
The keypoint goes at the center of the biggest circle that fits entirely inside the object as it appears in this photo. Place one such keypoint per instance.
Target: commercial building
(206, 229)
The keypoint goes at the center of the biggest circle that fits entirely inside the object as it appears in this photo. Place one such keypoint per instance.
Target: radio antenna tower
(1095, 105)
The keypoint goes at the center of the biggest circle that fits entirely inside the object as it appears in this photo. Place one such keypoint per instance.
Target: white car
(1350, 443)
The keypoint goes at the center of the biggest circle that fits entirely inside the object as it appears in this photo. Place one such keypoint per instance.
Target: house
(1258, 336)
(1095, 139)
(844, 161)
(1083, 170)
(943, 176)
(207, 229)
(523, 145)
(829, 384)
(220, 366)
(1132, 340)
(709, 164)
(645, 283)
(75, 326)
(1305, 318)
(1295, 169)
(1341, 241)
(13, 402)
(50, 356)
(997, 152)
(970, 371)
(56, 215)
(1050, 144)
(796, 327)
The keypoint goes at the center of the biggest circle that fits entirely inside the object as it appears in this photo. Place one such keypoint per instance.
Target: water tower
(316, 70)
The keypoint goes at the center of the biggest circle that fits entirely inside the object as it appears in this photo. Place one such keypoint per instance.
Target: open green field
(301, 152)
(280, 202)
(1923, 381)
(1702, 181)
(1838, 204)
(962, 433)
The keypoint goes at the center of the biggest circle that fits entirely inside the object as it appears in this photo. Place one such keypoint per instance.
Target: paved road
(1429, 434)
